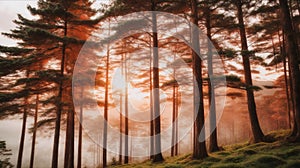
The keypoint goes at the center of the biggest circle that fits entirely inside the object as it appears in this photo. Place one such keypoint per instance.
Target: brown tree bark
(34, 131)
(126, 148)
(59, 104)
(151, 107)
(256, 129)
(286, 82)
(156, 100)
(213, 139)
(293, 55)
(199, 151)
(23, 132)
(79, 157)
(105, 122)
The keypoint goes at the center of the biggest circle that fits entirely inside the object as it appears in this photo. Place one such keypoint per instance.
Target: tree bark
(199, 151)
(286, 83)
(126, 149)
(151, 107)
(256, 129)
(105, 122)
(21, 146)
(156, 100)
(121, 115)
(213, 139)
(59, 104)
(173, 142)
(80, 131)
(34, 131)
(293, 54)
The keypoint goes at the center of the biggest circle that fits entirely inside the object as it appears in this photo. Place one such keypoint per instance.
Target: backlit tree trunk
(156, 99)
(213, 141)
(256, 130)
(293, 54)
(34, 131)
(199, 151)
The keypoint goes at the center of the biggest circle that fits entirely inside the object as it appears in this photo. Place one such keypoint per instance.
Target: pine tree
(256, 130)
(293, 55)
(53, 36)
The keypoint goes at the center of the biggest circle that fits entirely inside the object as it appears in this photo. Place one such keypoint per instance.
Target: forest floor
(260, 155)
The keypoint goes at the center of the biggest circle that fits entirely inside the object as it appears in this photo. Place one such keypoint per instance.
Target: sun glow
(137, 99)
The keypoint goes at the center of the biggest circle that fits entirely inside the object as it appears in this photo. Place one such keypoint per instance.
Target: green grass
(279, 154)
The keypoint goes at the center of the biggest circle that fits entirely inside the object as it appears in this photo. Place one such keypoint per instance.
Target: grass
(278, 154)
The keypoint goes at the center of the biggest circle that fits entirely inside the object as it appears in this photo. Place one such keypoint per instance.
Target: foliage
(4, 153)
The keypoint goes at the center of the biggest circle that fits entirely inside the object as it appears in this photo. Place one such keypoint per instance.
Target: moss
(234, 159)
(212, 159)
(173, 166)
(276, 154)
(249, 152)
(293, 164)
(223, 153)
(194, 162)
(227, 165)
(261, 161)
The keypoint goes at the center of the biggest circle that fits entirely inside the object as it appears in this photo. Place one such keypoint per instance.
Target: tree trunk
(156, 100)
(256, 130)
(199, 151)
(121, 115)
(293, 54)
(80, 132)
(105, 122)
(174, 116)
(176, 121)
(286, 83)
(34, 131)
(21, 147)
(59, 104)
(213, 139)
(67, 142)
(151, 107)
(173, 142)
(126, 157)
(121, 125)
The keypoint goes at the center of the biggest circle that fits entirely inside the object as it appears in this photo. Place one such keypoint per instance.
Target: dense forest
(116, 83)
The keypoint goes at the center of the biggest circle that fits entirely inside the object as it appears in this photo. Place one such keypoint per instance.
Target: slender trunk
(126, 157)
(121, 126)
(34, 131)
(213, 139)
(59, 104)
(174, 118)
(173, 142)
(80, 131)
(151, 108)
(67, 142)
(156, 100)
(286, 83)
(256, 129)
(72, 137)
(121, 115)
(21, 147)
(200, 151)
(176, 121)
(105, 122)
(290, 86)
(293, 54)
